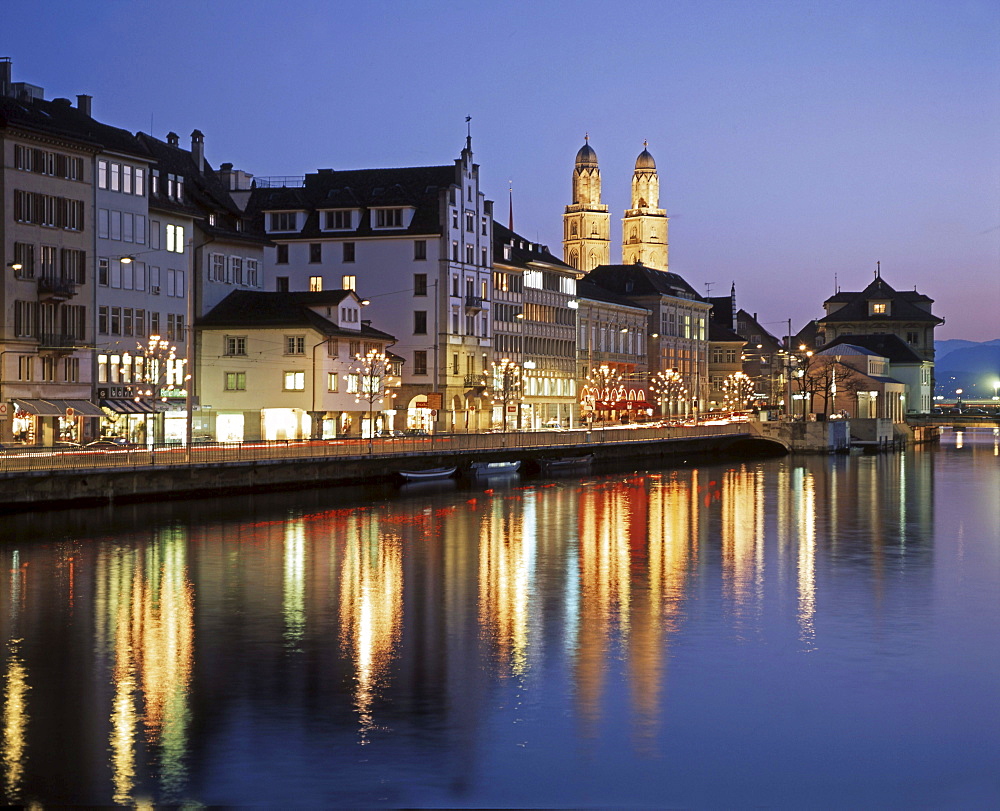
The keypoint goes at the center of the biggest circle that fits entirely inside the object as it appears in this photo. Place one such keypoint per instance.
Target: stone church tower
(586, 223)
(644, 227)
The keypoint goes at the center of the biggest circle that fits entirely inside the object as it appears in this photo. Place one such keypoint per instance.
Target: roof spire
(510, 219)
(586, 137)
(878, 270)
(468, 132)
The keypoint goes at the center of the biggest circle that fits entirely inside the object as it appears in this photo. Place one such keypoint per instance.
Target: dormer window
(389, 218)
(338, 220)
(282, 221)
(880, 308)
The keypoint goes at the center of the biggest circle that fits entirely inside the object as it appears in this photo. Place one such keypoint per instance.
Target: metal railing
(17, 460)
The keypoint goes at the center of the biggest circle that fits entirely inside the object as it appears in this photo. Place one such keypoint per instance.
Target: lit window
(315, 283)
(353, 383)
(879, 309)
(331, 381)
(295, 381)
(236, 381)
(349, 283)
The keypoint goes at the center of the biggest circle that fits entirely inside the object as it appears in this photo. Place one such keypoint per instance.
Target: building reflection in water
(371, 606)
(145, 614)
(507, 545)
(15, 687)
(318, 626)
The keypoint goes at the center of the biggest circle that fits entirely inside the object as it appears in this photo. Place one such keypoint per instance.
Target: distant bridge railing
(15, 461)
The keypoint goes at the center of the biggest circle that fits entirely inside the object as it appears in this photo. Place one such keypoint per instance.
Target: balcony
(471, 381)
(473, 302)
(57, 289)
(57, 342)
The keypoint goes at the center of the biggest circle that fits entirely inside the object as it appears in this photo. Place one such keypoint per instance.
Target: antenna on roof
(708, 288)
(468, 132)
(836, 284)
(878, 270)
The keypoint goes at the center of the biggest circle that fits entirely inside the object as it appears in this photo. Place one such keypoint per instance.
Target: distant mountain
(977, 359)
(944, 348)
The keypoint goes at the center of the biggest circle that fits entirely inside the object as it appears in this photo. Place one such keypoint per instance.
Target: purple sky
(797, 142)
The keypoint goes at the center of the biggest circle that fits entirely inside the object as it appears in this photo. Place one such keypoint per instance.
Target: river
(808, 631)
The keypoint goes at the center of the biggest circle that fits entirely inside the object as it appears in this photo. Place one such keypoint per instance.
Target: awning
(83, 408)
(129, 406)
(40, 408)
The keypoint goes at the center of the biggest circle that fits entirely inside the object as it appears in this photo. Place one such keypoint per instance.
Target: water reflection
(144, 615)
(418, 641)
(371, 601)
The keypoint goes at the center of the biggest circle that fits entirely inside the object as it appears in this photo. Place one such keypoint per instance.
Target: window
(24, 255)
(348, 251)
(420, 322)
(252, 266)
(236, 345)
(354, 349)
(485, 259)
(349, 282)
(71, 370)
(331, 381)
(282, 221)
(102, 174)
(295, 344)
(281, 284)
(315, 252)
(353, 383)
(470, 254)
(282, 255)
(912, 338)
(175, 237)
(154, 234)
(338, 220)
(879, 308)
(420, 249)
(332, 347)
(470, 221)
(237, 381)
(454, 251)
(24, 364)
(316, 284)
(389, 218)
(420, 284)
(295, 381)
(217, 270)
(454, 363)
(420, 362)
(236, 265)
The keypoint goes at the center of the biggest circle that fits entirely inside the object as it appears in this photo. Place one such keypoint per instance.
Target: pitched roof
(592, 292)
(520, 255)
(639, 280)
(721, 334)
(59, 117)
(416, 186)
(251, 308)
(887, 345)
(905, 305)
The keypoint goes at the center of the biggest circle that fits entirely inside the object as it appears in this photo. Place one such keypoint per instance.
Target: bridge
(955, 420)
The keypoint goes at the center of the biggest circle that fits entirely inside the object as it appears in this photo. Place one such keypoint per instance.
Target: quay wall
(31, 489)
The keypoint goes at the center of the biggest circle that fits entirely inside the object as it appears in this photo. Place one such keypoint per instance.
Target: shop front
(48, 422)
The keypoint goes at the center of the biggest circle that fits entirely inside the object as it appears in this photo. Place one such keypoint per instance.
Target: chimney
(5, 75)
(83, 102)
(198, 149)
(173, 139)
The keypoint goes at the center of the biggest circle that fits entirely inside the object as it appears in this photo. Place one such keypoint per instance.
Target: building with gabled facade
(417, 243)
(725, 359)
(534, 325)
(277, 366)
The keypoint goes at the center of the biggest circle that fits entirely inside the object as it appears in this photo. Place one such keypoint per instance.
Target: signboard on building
(434, 400)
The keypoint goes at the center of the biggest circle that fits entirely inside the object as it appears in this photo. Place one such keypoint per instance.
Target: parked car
(111, 442)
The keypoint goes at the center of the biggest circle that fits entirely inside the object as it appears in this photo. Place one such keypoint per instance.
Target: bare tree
(505, 385)
(601, 387)
(373, 372)
(669, 389)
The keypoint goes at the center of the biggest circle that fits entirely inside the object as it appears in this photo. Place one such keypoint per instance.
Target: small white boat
(428, 473)
(493, 468)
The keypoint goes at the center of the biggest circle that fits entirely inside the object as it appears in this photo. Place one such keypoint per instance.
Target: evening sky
(797, 143)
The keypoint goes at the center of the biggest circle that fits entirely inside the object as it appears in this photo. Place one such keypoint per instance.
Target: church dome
(645, 160)
(586, 157)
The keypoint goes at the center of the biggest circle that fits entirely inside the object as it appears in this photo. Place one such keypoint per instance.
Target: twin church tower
(586, 223)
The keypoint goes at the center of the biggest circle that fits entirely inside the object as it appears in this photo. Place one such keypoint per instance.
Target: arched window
(634, 235)
(572, 230)
(574, 259)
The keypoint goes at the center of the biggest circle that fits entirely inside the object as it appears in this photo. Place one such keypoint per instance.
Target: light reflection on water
(761, 633)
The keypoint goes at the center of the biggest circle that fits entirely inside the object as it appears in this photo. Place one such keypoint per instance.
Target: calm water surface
(808, 632)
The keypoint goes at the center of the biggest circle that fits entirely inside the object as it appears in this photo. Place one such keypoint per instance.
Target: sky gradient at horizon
(797, 144)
